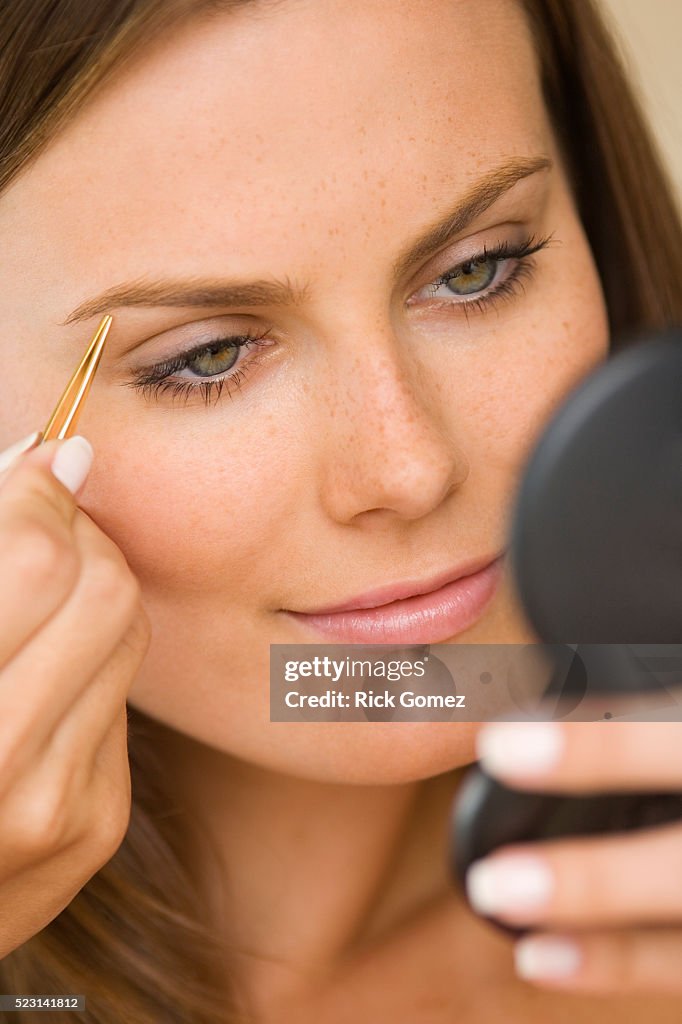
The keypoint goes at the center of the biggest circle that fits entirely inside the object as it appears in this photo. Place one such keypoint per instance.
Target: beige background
(649, 33)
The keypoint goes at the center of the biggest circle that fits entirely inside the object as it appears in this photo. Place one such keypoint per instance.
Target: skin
(305, 488)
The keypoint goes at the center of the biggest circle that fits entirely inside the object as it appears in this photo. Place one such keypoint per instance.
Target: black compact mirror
(596, 553)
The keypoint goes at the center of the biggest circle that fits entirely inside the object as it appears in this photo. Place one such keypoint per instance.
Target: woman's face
(378, 432)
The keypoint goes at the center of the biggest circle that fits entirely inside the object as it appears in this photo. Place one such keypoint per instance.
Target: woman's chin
(372, 753)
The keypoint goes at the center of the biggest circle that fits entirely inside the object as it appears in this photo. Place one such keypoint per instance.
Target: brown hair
(133, 940)
(621, 186)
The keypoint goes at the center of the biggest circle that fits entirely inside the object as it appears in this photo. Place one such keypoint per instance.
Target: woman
(434, 216)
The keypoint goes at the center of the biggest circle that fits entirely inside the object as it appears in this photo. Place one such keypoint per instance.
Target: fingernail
(9, 455)
(546, 957)
(520, 748)
(509, 884)
(72, 462)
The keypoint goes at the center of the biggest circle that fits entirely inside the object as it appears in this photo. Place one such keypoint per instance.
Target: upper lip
(410, 588)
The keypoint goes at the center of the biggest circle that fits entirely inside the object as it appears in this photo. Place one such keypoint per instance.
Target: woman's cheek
(568, 338)
(186, 520)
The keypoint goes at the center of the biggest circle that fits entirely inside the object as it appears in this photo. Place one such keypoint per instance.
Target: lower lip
(424, 619)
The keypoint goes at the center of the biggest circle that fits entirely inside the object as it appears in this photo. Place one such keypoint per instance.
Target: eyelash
(157, 380)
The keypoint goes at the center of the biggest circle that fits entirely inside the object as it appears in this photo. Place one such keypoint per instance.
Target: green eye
(471, 277)
(203, 361)
(211, 361)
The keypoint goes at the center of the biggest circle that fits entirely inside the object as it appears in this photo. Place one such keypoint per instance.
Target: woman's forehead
(304, 114)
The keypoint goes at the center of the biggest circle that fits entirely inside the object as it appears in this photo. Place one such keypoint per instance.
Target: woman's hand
(605, 913)
(72, 636)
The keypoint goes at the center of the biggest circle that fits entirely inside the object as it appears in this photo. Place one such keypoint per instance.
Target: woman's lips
(425, 618)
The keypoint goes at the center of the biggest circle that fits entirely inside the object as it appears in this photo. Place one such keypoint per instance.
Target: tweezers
(62, 422)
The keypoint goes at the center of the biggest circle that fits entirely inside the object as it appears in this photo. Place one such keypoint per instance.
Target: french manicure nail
(546, 956)
(520, 748)
(10, 454)
(72, 462)
(509, 884)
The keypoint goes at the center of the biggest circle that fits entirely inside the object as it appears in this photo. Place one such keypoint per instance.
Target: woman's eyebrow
(212, 292)
(476, 201)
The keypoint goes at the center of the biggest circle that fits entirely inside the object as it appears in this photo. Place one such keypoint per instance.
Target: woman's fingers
(40, 564)
(86, 729)
(83, 637)
(74, 633)
(630, 961)
(571, 891)
(622, 879)
(9, 455)
(583, 756)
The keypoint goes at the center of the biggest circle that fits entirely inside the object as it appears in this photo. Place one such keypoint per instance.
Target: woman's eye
(216, 358)
(471, 278)
(483, 276)
(209, 367)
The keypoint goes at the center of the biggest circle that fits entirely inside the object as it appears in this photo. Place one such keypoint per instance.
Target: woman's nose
(388, 447)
